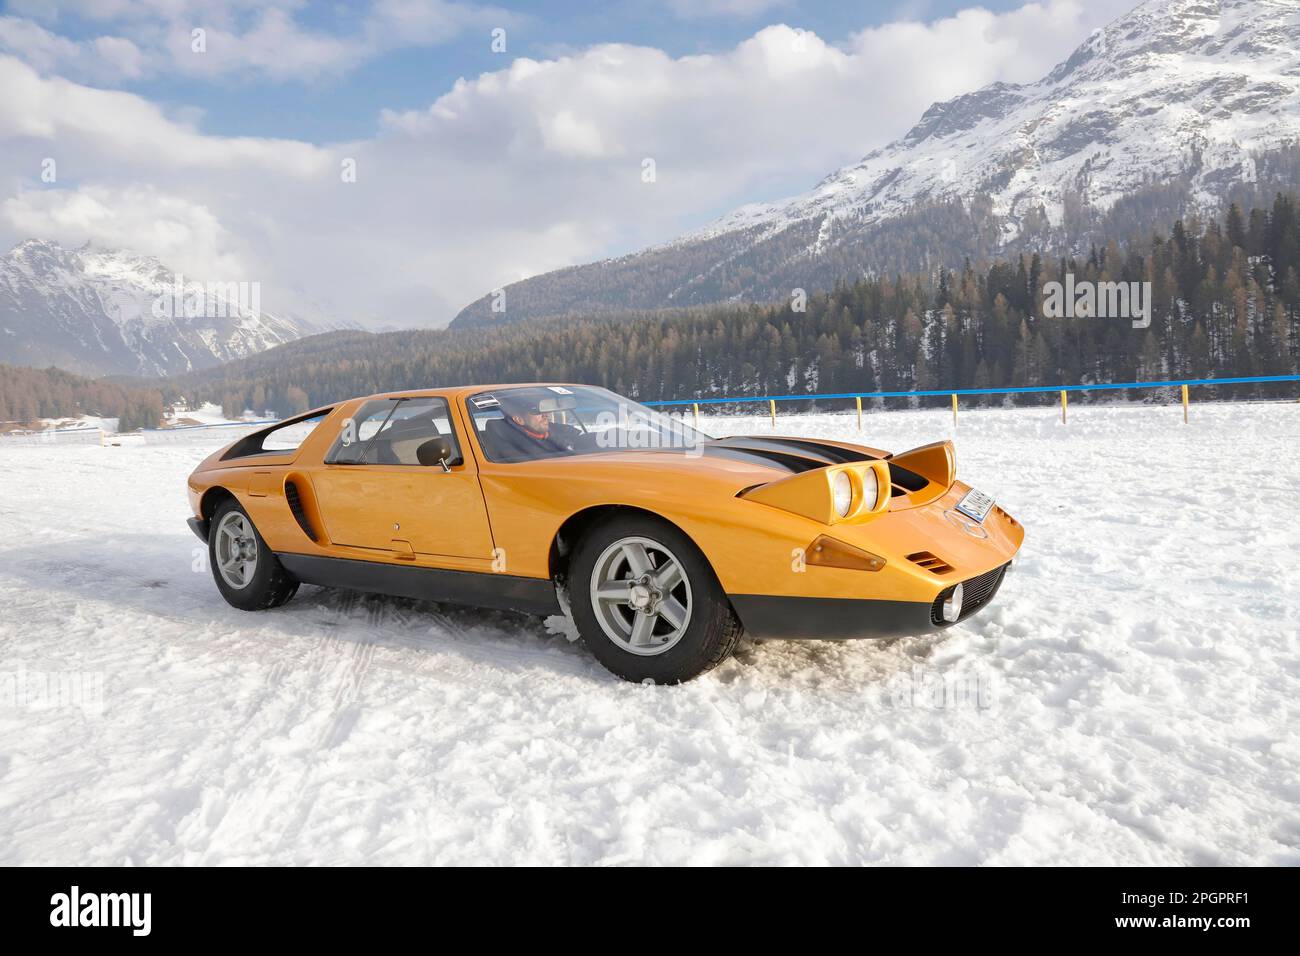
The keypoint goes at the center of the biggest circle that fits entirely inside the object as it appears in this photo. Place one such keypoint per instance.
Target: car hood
(735, 463)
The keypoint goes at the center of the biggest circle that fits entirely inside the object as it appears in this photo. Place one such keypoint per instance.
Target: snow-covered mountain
(1200, 94)
(1175, 87)
(104, 312)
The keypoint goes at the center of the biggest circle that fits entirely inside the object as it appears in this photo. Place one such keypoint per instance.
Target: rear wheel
(248, 574)
(647, 603)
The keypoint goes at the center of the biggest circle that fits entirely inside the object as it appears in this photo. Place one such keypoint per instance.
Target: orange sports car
(663, 545)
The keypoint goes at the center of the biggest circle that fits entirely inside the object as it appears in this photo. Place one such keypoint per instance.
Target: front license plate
(975, 504)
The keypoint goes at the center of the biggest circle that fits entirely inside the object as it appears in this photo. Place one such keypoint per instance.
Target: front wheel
(647, 603)
(248, 575)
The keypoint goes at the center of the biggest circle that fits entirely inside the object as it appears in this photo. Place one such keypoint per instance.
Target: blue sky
(343, 106)
(474, 169)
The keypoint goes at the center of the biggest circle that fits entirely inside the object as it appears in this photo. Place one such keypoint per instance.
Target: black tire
(269, 584)
(711, 633)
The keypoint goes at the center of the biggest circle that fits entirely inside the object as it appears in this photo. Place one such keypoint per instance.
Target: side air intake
(299, 513)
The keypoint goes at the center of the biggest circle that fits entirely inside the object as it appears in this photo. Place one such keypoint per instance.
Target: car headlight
(870, 489)
(842, 489)
(857, 492)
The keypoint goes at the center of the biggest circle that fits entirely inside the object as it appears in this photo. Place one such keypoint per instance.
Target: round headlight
(842, 489)
(870, 489)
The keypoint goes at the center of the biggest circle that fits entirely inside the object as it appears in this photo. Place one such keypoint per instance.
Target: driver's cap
(519, 403)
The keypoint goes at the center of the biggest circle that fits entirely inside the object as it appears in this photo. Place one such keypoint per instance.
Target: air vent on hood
(932, 563)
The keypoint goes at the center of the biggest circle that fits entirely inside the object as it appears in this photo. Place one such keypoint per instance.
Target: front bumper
(778, 617)
(978, 592)
(200, 527)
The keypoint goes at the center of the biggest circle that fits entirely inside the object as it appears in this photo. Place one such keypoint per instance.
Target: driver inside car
(532, 434)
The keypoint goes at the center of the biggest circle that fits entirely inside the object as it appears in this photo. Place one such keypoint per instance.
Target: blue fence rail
(1019, 390)
(1184, 383)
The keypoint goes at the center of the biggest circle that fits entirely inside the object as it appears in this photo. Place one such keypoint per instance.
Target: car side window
(280, 439)
(290, 436)
(390, 431)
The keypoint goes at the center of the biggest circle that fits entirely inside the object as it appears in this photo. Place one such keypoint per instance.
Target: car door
(374, 493)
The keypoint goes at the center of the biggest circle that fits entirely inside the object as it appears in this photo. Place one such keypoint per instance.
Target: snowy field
(1130, 698)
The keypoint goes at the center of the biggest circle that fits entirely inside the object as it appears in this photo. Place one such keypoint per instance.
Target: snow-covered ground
(1130, 698)
(206, 414)
(51, 429)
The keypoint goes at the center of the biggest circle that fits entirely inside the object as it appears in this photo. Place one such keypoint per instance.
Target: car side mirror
(435, 451)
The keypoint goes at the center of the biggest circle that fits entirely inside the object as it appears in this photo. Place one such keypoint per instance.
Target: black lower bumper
(200, 527)
(767, 616)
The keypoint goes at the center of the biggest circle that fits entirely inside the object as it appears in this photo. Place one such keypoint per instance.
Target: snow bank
(1130, 698)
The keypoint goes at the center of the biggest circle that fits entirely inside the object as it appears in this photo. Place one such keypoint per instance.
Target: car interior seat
(398, 444)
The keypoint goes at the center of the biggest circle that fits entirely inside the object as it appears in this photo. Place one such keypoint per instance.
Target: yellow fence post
(1184, 404)
(859, 413)
(772, 402)
(696, 406)
(1065, 402)
(954, 409)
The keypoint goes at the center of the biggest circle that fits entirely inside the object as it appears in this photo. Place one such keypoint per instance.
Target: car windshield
(528, 422)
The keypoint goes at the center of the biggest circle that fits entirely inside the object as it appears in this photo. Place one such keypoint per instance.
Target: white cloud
(525, 169)
(115, 128)
(104, 58)
(568, 134)
(180, 233)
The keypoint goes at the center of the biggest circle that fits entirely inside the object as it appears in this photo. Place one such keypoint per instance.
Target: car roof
(458, 390)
